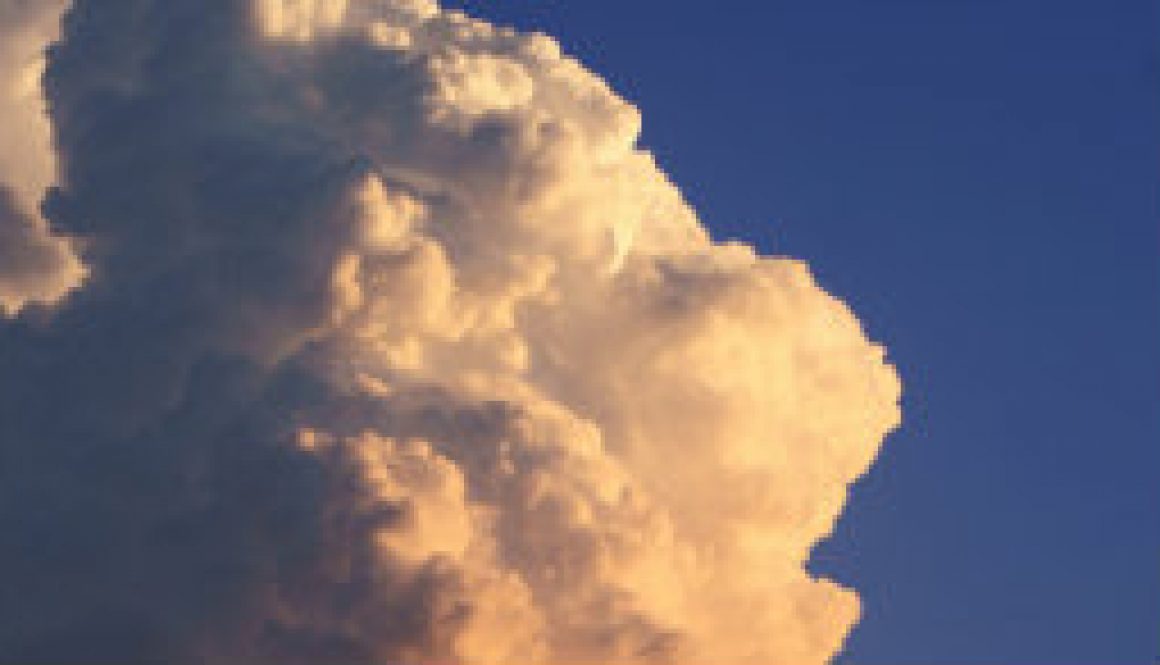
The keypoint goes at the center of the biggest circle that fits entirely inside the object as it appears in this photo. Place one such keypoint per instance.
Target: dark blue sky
(979, 180)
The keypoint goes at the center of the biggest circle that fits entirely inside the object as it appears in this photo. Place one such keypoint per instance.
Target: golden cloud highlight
(399, 349)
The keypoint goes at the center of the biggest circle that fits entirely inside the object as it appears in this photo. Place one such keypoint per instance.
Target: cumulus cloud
(35, 266)
(398, 349)
(26, 158)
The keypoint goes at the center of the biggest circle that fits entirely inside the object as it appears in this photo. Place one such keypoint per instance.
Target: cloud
(398, 349)
(34, 265)
(26, 158)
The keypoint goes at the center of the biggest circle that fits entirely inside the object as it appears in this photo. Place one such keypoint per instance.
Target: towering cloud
(397, 350)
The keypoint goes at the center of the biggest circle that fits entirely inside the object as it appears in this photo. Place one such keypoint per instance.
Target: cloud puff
(397, 349)
(35, 266)
(26, 158)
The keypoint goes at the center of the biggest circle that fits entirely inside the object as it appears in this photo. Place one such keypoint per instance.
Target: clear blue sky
(978, 178)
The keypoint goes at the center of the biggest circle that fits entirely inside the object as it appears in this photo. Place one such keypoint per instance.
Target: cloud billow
(395, 348)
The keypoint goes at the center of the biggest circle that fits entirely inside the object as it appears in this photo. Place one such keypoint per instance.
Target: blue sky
(978, 179)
